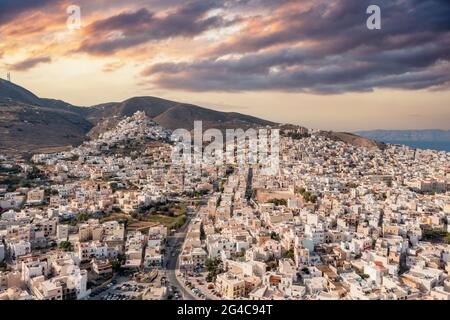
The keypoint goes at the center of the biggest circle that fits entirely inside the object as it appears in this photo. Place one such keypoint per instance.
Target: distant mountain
(431, 135)
(30, 124)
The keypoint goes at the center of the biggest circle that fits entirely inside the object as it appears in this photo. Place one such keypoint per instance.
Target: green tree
(278, 202)
(213, 267)
(82, 217)
(66, 246)
(118, 262)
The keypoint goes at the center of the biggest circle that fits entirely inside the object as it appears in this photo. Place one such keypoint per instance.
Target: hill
(30, 124)
(27, 129)
(354, 139)
(10, 92)
(169, 114)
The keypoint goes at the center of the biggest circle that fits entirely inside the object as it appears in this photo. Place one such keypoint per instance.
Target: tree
(274, 236)
(365, 276)
(117, 263)
(213, 267)
(82, 217)
(278, 202)
(66, 246)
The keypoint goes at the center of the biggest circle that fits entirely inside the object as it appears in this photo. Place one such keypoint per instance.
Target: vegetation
(229, 171)
(275, 236)
(66, 246)
(214, 268)
(271, 265)
(289, 254)
(35, 173)
(13, 182)
(172, 215)
(118, 262)
(82, 217)
(3, 265)
(241, 253)
(295, 135)
(169, 222)
(278, 202)
(305, 270)
(199, 193)
(365, 276)
(434, 235)
(307, 196)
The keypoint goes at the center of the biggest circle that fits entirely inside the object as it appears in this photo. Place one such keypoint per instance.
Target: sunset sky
(308, 62)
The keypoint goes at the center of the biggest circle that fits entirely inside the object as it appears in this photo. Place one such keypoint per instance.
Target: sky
(308, 62)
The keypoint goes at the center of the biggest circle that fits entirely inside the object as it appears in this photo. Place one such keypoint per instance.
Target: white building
(20, 248)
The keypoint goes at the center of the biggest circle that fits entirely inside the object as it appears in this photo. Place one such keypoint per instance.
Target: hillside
(27, 129)
(354, 139)
(10, 92)
(30, 124)
(169, 114)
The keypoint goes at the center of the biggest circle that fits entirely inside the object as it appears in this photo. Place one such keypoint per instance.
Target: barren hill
(169, 114)
(354, 139)
(30, 124)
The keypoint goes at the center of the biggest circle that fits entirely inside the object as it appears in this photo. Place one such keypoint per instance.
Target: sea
(433, 145)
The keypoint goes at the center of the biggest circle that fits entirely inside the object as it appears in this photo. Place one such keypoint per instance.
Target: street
(173, 250)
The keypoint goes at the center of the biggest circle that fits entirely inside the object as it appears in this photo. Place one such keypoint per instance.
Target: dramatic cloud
(319, 46)
(324, 48)
(29, 63)
(130, 29)
(12, 9)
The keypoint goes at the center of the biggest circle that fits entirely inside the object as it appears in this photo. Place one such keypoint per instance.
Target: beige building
(230, 286)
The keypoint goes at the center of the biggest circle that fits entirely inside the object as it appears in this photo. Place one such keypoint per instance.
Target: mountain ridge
(29, 123)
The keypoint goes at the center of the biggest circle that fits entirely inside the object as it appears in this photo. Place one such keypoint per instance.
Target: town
(116, 219)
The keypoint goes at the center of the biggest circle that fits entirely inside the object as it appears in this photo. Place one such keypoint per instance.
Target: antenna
(9, 76)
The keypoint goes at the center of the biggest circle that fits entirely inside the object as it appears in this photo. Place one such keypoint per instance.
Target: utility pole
(9, 76)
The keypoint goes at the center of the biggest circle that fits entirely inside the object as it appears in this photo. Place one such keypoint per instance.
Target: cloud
(324, 48)
(113, 66)
(130, 29)
(320, 46)
(12, 9)
(30, 63)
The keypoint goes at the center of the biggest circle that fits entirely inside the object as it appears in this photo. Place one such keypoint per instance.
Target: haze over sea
(433, 145)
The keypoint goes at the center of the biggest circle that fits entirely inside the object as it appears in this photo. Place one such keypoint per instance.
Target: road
(173, 250)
